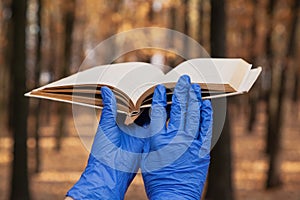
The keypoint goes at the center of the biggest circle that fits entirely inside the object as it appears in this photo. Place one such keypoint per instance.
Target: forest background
(258, 153)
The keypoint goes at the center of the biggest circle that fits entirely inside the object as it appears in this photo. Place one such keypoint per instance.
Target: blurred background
(258, 154)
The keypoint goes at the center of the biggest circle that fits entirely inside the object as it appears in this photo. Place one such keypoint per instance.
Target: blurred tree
(19, 104)
(115, 7)
(293, 51)
(276, 103)
(51, 56)
(37, 73)
(270, 13)
(269, 55)
(172, 24)
(5, 37)
(79, 32)
(220, 171)
(69, 17)
(150, 11)
(296, 90)
(274, 120)
(254, 95)
(201, 21)
(186, 27)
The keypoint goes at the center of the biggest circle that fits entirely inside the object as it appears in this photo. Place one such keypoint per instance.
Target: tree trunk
(186, 28)
(220, 171)
(276, 103)
(62, 109)
(172, 26)
(295, 68)
(201, 21)
(270, 13)
(295, 95)
(51, 63)
(9, 54)
(220, 184)
(4, 63)
(37, 78)
(19, 108)
(275, 124)
(254, 95)
(218, 28)
(150, 11)
(269, 55)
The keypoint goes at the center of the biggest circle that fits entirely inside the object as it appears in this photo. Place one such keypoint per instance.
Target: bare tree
(19, 104)
(276, 102)
(254, 95)
(201, 21)
(186, 27)
(293, 50)
(36, 77)
(4, 59)
(220, 171)
(269, 54)
(69, 26)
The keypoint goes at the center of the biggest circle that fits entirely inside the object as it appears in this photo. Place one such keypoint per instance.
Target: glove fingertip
(158, 109)
(206, 120)
(185, 78)
(196, 87)
(109, 106)
(206, 128)
(159, 96)
(179, 101)
(207, 106)
(106, 94)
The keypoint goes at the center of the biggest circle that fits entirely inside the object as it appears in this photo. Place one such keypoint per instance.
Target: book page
(233, 70)
(250, 79)
(105, 74)
(138, 80)
(212, 72)
(132, 78)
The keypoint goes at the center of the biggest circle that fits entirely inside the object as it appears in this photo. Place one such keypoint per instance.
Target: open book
(133, 83)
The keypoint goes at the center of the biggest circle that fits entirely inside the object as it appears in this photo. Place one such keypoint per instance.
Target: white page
(199, 70)
(214, 71)
(250, 79)
(137, 81)
(133, 78)
(104, 74)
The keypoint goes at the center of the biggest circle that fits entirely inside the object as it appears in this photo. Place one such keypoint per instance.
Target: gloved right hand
(176, 158)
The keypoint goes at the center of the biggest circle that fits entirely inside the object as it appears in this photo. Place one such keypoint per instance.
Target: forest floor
(61, 169)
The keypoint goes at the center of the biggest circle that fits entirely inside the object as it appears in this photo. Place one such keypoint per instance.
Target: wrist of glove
(99, 181)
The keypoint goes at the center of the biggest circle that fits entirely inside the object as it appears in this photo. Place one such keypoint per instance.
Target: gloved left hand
(114, 158)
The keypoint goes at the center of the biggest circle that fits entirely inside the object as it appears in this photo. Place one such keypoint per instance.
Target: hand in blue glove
(177, 161)
(114, 159)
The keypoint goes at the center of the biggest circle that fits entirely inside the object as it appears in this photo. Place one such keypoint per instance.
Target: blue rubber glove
(177, 161)
(114, 159)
